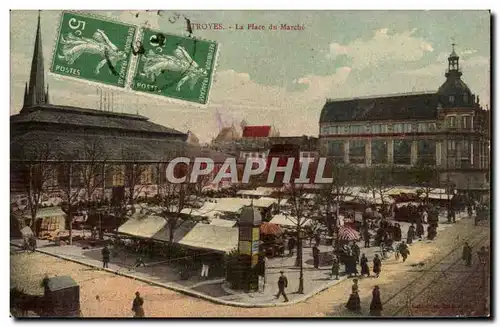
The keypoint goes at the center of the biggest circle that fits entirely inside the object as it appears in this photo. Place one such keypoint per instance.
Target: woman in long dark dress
(377, 265)
(354, 303)
(363, 262)
(376, 304)
(397, 233)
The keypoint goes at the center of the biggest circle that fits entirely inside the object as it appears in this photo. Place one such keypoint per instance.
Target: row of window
(378, 128)
(461, 121)
(426, 151)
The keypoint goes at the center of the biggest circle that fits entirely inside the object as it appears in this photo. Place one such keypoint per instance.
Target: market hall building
(447, 129)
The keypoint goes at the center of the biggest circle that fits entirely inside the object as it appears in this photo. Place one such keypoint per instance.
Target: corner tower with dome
(447, 130)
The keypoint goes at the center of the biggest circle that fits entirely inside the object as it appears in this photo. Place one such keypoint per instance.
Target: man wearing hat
(282, 284)
(137, 306)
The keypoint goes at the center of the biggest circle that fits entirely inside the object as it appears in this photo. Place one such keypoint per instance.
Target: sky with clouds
(284, 77)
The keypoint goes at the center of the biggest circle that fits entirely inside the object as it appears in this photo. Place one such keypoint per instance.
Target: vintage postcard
(330, 164)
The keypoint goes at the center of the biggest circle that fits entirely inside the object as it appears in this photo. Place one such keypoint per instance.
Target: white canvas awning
(289, 221)
(48, 212)
(211, 237)
(222, 222)
(183, 227)
(144, 226)
(264, 202)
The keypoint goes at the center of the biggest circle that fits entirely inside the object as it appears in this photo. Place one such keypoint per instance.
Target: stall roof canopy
(48, 212)
(211, 237)
(288, 220)
(227, 205)
(145, 226)
(223, 222)
(183, 227)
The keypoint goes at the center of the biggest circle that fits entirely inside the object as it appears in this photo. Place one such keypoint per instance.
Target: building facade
(447, 130)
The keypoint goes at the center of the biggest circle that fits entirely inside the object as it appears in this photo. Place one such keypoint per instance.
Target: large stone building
(126, 146)
(447, 129)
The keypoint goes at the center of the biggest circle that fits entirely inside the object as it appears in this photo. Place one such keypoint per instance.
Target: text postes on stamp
(93, 49)
(175, 66)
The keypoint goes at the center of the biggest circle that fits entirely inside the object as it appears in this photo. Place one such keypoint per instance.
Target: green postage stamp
(175, 66)
(93, 49)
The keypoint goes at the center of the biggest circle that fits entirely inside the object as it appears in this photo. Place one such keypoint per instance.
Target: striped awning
(270, 229)
(348, 234)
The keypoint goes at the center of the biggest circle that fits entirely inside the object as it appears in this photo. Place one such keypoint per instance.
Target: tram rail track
(431, 270)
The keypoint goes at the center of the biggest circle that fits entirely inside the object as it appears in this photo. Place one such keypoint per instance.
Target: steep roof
(227, 134)
(391, 107)
(256, 131)
(115, 148)
(68, 115)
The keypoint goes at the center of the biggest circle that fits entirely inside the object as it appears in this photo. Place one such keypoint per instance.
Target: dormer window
(451, 99)
(466, 98)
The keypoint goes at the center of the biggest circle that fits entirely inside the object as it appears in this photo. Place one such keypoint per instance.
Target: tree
(378, 181)
(37, 173)
(71, 185)
(299, 212)
(173, 198)
(424, 176)
(332, 194)
(132, 174)
(93, 173)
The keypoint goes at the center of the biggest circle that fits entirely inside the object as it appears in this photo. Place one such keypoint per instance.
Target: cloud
(382, 47)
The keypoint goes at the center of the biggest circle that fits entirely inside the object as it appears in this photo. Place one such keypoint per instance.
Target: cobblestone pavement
(108, 295)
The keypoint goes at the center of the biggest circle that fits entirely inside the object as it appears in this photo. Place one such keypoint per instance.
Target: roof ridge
(380, 96)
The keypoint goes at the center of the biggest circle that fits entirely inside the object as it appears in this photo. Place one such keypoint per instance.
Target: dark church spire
(36, 91)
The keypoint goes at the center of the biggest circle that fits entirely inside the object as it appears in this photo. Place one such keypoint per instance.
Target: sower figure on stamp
(137, 306)
(105, 256)
(467, 254)
(377, 265)
(282, 284)
(376, 304)
(363, 262)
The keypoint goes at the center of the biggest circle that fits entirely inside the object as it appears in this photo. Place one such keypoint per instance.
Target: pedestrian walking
(317, 238)
(397, 233)
(205, 266)
(377, 265)
(376, 304)
(467, 254)
(282, 284)
(354, 303)
(138, 262)
(335, 268)
(105, 256)
(291, 245)
(403, 250)
(411, 234)
(316, 252)
(137, 306)
(356, 251)
(366, 236)
(365, 270)
(32, 243)
(420, 229)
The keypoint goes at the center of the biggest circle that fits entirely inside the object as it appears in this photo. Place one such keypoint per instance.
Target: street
(106, 295)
